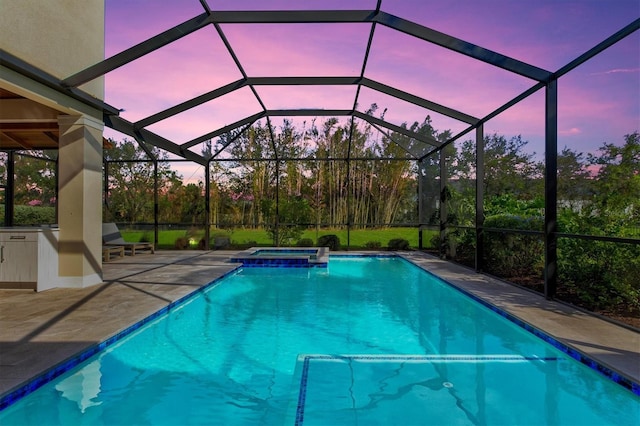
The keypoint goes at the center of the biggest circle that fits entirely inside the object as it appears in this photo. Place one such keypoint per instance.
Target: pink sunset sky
(598, 102)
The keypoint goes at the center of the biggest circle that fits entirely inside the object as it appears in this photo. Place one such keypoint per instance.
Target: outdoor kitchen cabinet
(28, 258)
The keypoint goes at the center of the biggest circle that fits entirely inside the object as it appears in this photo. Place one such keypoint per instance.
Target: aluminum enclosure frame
(540, 79)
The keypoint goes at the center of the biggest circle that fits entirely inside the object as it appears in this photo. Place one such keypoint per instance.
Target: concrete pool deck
(41, 330)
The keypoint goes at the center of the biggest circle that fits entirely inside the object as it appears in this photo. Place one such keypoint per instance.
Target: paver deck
(40, 330)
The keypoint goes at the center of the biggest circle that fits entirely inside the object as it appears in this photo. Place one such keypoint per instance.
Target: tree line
(328, 173)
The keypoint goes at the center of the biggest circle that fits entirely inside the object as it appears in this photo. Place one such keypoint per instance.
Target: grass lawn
(241, 238)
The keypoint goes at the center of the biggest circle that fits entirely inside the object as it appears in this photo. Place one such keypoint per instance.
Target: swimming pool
(366, 341)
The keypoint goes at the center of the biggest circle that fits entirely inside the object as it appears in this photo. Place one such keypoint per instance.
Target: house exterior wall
(60, 37)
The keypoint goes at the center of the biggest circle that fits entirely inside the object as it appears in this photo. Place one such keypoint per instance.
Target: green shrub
(292, 210)
(30, 215)
(459, 245)
(305, 242)
(398, 244)
(510, 254)
(373, 245)
(597, 275)
(332, 241)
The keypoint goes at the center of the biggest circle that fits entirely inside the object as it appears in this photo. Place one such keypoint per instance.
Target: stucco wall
(60, 37)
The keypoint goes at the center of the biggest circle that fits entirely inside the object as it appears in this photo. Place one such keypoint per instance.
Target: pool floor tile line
(306, 360)
(41, 330)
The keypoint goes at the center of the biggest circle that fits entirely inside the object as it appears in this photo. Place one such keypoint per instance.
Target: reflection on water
(83, 386)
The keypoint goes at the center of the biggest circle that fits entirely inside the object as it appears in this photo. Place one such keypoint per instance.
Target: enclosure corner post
(479, 198)
(551, 189)
(156, 203)
(443, 205)
(419, 206)
(207, 204)
(276, 235)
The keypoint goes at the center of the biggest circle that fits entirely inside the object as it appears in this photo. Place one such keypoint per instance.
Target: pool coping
(417, 259)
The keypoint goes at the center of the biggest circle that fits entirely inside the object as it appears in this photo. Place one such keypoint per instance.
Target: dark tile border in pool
(30, 386)
(248, 262)
(609, 373)
(280, 263)
(284, 264)
(250, 258)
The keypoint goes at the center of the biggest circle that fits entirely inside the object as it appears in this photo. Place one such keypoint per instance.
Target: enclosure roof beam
(384, 132)
(191, 103)
(310, 112)
(230, 141)
(305, 16)
(416, 100)
(137, 51)
(21, 67)
(310, 81)
(372, 84)
(365, 60)
(463, 47)
(292, 16)
(488, 117)
(226, 129)
(398, 129)
(610, 41)
(345, 113)
(238, 84)
(126, 127)
(302, 81)
(205, 6)
(388, 20)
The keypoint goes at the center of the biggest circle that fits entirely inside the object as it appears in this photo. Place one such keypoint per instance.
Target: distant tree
(331, 175)
(574, 179)
(617, 184)
(170, 199)
(35, 178)
(294, 214)
(249, 176)
(131, 182)
(403, 173)
(192, 205)
(508, 169)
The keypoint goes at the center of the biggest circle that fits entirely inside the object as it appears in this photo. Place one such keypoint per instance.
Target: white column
(80, 200)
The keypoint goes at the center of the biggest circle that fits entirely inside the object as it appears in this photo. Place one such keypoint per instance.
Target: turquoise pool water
(368, 341)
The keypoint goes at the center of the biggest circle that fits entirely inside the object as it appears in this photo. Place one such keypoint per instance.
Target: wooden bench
(111, 237)
(107, 251)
